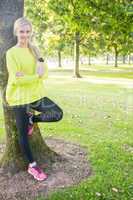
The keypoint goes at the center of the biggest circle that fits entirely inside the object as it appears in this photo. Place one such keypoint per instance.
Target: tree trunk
(116, 56)
(107, 59)
(89, 60)
(76, 55)
(59, 59)
(129, 59)
(13, 159)
(124, 59)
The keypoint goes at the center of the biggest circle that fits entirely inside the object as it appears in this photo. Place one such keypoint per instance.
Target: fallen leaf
(98, 194)
(115, 189)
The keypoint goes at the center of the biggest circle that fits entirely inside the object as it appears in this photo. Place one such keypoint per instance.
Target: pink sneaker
(37, 173)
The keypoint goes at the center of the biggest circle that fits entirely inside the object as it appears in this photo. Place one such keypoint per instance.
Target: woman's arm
(13, 70)
(42, 70)
(42, 67)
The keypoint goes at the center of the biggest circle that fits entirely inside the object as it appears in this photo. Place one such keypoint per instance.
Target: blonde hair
(24, 21)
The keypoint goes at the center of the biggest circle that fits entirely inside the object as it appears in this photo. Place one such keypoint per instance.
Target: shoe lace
(38, 169)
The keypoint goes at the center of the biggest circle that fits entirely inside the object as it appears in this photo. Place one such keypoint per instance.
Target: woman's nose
(25, 36)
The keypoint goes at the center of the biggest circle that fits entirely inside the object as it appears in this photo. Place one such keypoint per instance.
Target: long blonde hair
(24, 21)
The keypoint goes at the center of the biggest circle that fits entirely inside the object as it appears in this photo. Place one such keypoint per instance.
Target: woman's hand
(40, 68)
(19, 74)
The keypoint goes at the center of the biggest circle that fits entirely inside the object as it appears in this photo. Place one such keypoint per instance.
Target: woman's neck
(22, 45)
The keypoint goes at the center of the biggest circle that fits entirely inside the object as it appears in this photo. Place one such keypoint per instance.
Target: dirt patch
(73, 168)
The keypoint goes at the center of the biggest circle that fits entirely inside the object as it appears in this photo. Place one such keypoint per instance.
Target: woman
(25, 90)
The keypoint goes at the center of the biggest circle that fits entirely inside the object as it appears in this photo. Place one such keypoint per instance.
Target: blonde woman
(25, 89)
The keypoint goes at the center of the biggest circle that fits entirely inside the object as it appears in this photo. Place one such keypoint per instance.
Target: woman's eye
(23, 31)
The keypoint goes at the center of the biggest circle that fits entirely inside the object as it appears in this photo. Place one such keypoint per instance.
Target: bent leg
(50, 111)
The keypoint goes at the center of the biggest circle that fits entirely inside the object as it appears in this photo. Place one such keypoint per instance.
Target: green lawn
(125, 71)
(99, 117)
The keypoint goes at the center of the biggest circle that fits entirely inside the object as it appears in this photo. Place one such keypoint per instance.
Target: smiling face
(23, 33)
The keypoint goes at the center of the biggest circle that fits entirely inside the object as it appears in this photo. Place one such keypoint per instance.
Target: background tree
(115, 25)
(75, 20)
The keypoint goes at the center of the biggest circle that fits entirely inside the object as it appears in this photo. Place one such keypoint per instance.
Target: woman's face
(23, 33)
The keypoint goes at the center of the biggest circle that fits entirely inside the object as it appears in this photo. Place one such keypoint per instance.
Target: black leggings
(50, 112)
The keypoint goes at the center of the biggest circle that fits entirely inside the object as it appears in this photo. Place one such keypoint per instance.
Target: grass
(125, 71)
(99, 117)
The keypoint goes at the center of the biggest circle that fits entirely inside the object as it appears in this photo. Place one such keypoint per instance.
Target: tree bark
(13, 159)
(124, 59)
(77, 44)
(129, 59)
(89, 60)
(59, 59)
(107, 59)
(116, 56)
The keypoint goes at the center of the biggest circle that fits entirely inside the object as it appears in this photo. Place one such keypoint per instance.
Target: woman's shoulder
(11, 49)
